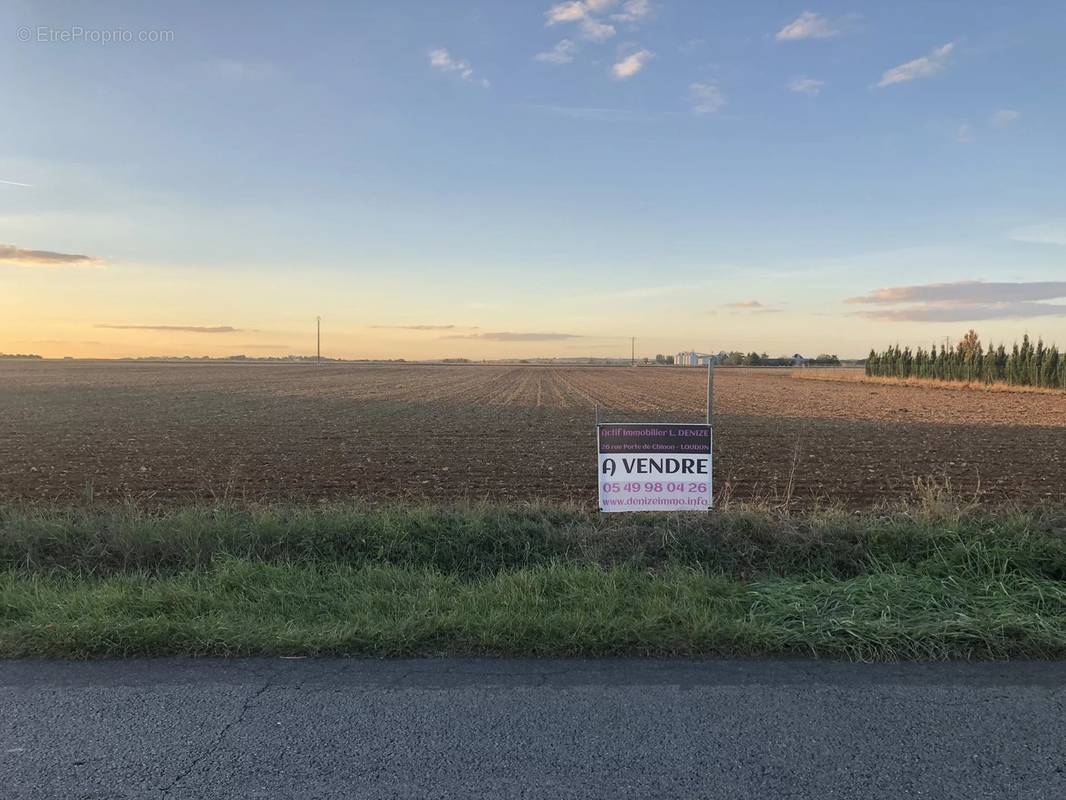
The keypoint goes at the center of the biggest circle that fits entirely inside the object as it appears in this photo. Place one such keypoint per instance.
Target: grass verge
(931, 582)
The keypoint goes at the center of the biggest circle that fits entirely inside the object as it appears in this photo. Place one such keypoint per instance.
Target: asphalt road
(267, 728)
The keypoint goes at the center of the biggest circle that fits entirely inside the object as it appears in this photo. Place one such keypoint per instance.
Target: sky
(496, 180)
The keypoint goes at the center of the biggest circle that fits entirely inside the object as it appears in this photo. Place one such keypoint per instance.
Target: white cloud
(566, 12)
(923, 67)
(808, 25)
(583, 12)
(706, 98)
(633, 11)
(577, 10)
(442, 60)
(632, 64)
(805, 85)
(1048, 233)
(965, 292)
(176, 328)
(966, 313)
(595, 31)
(964, 301)
(964, 135)
(562, 53)
(1004, 117)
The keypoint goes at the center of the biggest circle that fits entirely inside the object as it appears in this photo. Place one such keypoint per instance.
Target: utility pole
(632, 351)
(318, 340)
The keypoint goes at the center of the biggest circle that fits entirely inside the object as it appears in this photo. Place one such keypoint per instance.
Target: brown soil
(162, 432)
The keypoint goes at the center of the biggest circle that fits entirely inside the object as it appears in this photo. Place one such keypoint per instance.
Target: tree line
(1027, 364)
(735, 358)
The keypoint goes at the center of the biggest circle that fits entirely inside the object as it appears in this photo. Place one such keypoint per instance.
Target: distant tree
(733, 359)
(1025, 357)
(1036, 363)
(970, 343)
(1048, 367)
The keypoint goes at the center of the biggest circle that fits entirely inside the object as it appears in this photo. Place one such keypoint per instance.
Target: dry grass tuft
(844, 375)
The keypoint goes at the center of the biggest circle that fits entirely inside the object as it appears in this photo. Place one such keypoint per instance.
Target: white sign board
(654, 467)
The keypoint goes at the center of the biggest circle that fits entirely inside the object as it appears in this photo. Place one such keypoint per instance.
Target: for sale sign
(654, 467)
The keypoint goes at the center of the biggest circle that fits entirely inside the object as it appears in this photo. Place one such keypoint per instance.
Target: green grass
(340, 579)
(486, 539)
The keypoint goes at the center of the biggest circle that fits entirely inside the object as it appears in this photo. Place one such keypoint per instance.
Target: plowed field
(162, 432)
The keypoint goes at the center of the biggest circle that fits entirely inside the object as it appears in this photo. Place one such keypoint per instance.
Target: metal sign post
(710, 392)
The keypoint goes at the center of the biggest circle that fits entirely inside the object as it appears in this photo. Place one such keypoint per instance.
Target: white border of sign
(634, 490)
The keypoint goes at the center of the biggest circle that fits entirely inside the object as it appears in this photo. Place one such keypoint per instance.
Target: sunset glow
(520, 180)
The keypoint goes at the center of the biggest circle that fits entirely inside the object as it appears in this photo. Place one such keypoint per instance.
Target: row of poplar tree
(1026, 364)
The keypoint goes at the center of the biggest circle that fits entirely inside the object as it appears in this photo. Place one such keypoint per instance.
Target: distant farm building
(693, 359)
